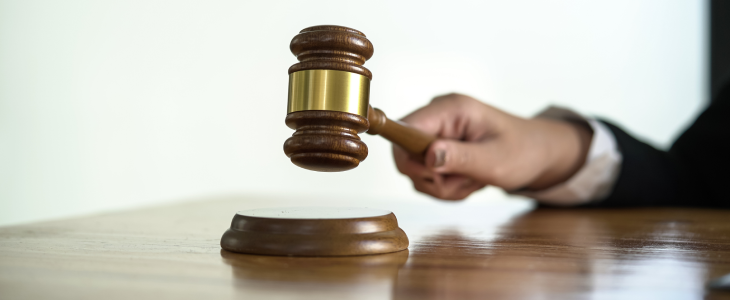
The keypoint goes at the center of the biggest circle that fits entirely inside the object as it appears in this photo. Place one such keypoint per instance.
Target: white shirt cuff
(595, 180)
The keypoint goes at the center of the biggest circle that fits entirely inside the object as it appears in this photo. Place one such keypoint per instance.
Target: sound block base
(314, 231)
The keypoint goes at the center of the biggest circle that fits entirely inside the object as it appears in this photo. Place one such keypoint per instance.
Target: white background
(110, 105)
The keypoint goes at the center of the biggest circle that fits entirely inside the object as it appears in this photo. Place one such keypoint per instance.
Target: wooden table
(458, 251)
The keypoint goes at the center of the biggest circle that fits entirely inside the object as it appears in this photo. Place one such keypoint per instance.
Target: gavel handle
(412, 140)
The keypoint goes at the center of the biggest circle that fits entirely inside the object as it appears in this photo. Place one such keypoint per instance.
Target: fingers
(459, 117)
(473, 160)
(447, 187)
(438, 117)
(464, 159)
(426, 180)
(410, 167)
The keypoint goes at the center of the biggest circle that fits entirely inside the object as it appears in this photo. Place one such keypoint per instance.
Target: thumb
(455, 157)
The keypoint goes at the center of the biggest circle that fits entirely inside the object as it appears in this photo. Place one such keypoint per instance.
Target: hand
(480, 145)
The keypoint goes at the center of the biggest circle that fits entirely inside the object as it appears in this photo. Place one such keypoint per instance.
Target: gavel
(329, 94)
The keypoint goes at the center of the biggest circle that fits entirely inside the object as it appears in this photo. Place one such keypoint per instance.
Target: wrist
(565, 146)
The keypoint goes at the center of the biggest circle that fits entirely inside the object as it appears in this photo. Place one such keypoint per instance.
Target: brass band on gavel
(329, 90)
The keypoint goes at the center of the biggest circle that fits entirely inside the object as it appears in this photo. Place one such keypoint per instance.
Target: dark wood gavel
(329, 93)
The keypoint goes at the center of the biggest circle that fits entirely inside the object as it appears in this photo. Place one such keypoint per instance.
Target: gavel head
(328, 98)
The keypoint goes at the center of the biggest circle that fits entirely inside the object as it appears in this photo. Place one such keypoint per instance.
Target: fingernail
(440, 158)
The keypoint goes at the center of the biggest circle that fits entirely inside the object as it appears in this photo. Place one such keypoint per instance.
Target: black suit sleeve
(694, 172)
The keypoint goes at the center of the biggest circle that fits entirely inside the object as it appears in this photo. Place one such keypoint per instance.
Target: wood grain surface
(468, 250)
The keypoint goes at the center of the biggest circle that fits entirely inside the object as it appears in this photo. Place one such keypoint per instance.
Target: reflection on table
(584, 253)
(469, 250)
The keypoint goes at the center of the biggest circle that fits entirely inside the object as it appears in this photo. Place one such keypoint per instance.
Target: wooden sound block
(314, 231)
